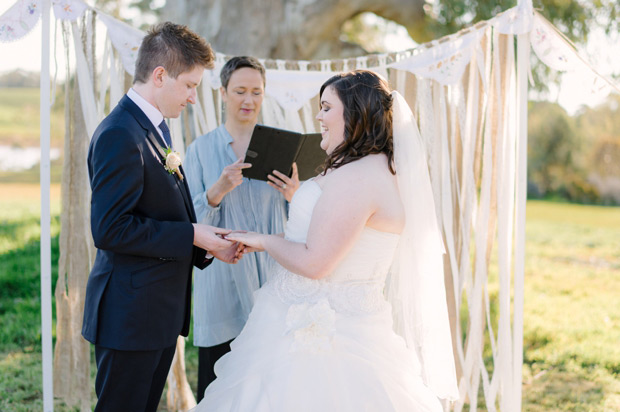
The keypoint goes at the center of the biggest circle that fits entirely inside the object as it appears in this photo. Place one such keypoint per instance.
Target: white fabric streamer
(416, 286)
(292, 89)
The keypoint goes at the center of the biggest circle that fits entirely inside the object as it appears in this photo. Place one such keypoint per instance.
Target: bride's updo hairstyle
(367, 117)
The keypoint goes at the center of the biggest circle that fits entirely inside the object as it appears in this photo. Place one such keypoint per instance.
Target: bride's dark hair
(367, 117)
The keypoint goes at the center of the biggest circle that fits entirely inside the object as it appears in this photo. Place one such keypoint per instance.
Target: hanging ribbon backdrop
(465, 90)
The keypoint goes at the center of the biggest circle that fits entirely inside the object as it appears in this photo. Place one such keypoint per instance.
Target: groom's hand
(230, 255)
(210, 238)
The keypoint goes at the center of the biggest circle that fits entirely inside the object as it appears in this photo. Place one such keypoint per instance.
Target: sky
(601, 51)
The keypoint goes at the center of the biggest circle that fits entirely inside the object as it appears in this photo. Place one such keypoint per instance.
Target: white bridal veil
(416, 287)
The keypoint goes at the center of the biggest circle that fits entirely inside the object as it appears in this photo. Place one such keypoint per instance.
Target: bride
(355, 318)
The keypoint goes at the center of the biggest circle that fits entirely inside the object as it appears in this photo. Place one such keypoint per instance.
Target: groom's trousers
(206, 361)
(131, 381)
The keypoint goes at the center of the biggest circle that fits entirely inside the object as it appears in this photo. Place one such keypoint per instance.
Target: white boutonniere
(173, 162)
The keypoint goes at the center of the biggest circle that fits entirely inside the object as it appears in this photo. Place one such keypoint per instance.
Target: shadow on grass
(20, 381)
(20, 317)
(20, 295)
(556, 388)
(570, 382)
(535, 339)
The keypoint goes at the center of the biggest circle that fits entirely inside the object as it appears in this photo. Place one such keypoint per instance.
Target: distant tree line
(575, 158)
(19, 78)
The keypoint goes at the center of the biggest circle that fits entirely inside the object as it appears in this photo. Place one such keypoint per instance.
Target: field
(19, 117)
(19, 127)
(572, 315)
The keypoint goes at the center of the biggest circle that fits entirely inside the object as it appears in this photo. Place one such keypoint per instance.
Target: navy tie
(166, 132)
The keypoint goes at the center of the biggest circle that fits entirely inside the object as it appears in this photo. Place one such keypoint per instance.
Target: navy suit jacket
(139, 291)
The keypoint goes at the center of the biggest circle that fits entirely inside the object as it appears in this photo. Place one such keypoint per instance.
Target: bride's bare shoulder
(367, 171)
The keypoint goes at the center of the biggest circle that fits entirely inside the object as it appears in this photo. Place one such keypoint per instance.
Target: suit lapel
(187, 196)
(181, 184)
(156, 141)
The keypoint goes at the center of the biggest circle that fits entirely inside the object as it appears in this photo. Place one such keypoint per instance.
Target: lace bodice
(356, 285)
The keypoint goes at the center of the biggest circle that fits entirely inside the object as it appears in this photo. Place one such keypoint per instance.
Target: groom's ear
(158, 76)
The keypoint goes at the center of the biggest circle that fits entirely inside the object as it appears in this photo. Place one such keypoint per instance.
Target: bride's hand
(253, 241)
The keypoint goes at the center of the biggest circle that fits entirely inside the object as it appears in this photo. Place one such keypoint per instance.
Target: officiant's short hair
(239, 62)
(174, 47)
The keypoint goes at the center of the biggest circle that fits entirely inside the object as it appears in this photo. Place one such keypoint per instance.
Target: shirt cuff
(210, 212)
(208, 207)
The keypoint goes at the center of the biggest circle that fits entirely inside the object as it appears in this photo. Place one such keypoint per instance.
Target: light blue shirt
(223, 293)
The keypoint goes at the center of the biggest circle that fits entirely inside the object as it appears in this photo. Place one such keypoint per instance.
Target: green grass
(20, 308)
(572, 315)
(572, 310)
(20, 291)
(19, 110)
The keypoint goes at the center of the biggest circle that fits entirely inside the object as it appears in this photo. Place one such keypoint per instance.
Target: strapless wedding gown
(322, 345)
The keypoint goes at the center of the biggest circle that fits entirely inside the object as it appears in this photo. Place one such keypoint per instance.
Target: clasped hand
(211, 239)
(252, 241)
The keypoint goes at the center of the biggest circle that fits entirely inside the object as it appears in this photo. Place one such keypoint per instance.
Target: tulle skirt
(307, 357)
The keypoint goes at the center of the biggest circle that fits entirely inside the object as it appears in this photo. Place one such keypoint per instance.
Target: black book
(277, 149)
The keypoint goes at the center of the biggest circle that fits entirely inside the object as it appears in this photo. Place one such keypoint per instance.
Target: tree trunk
(286, 29)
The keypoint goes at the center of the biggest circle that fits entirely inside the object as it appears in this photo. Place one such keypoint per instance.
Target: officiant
(222, 197)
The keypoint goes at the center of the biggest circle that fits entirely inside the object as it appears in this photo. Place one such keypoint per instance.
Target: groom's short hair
(174, 47)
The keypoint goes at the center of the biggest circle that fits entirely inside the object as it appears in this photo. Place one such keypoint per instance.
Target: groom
(143, 225)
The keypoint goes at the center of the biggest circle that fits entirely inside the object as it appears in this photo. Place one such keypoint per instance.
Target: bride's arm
(345, 205)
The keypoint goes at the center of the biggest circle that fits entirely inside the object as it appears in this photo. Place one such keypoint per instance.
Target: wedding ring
(284, 186)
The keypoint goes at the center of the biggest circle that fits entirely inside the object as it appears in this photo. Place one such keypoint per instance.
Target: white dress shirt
(149, 110)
